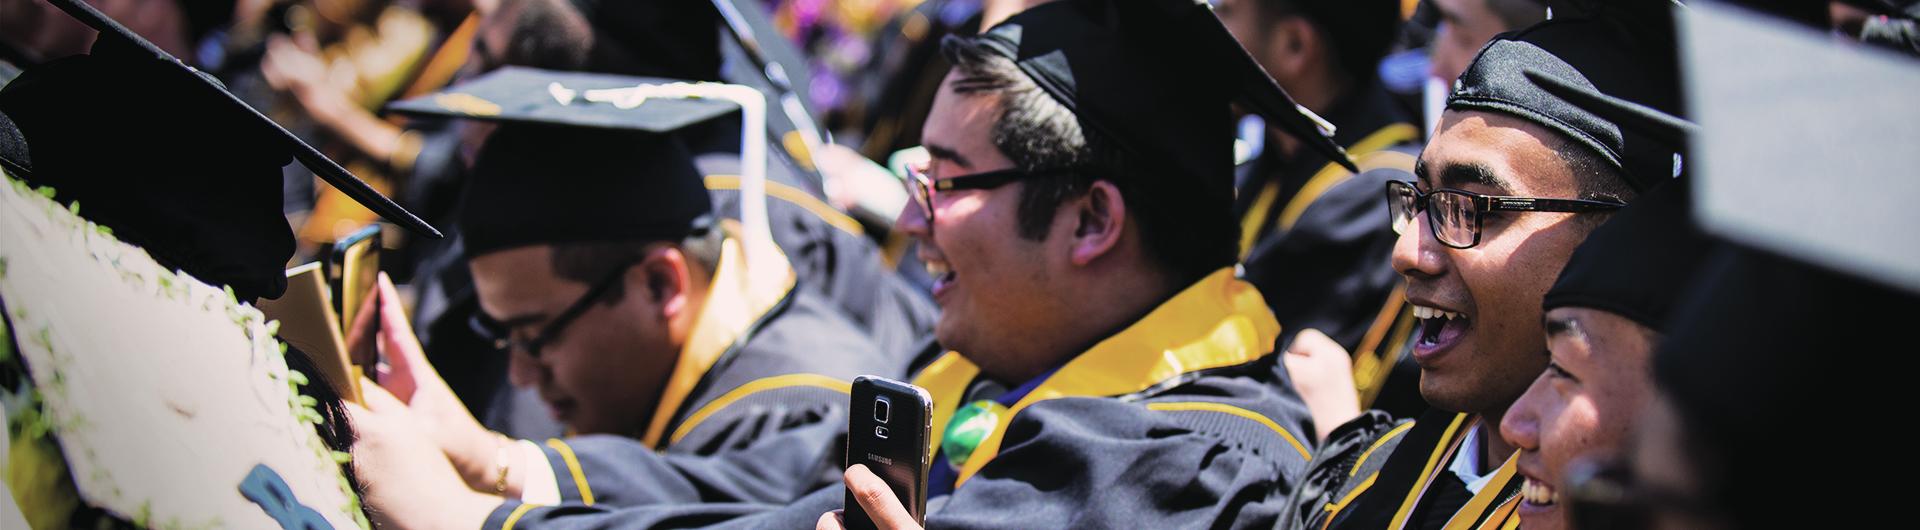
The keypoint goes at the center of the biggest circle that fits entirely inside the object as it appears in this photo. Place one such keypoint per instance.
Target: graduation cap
(1662, 126)
(168, 159)
(1807, 153)
(1158, 79)
(1763, 342)
(1638, 263)
(584, 156)
(1517, 73)
(523, 95)
(1156, 76)
(112, 32)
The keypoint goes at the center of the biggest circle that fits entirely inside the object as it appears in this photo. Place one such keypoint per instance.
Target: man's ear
(1100, 219)
(665, 280)
(1292, 46)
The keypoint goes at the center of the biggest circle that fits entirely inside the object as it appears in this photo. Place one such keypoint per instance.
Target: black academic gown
(754, 411)
(832, 254)
(1401, 479)
(1170, 423)
(829, 252)
(1316, 241)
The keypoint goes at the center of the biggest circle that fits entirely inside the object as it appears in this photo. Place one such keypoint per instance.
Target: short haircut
(592, 261)
(1038, 133)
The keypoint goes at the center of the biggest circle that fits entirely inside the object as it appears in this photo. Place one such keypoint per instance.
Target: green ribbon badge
(970, 426)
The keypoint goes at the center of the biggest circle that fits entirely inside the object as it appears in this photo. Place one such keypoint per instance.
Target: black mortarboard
(527, 95)
(168, 159)
(578, 157)
(1763, 350)
(1597, 55)
(1159, 78)
(1835, 188)
(1638, 263)
(1663, 127)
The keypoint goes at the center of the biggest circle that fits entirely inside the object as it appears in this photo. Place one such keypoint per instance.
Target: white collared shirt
(1466, 463)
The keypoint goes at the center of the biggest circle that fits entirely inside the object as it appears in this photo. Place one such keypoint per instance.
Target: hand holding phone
(876, 501)
(888, 428)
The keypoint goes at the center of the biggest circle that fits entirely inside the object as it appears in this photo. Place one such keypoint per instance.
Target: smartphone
(888, 428)
(352, 268)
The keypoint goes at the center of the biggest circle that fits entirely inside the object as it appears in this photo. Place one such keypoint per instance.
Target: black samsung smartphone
(888, 429)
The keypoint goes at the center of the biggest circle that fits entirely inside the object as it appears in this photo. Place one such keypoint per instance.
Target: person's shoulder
(810, 333)
(1345, 467)
(1237, 404)
(1360, 447)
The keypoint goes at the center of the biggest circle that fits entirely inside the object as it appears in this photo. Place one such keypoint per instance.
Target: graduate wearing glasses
(1513, 179)
(683, 371)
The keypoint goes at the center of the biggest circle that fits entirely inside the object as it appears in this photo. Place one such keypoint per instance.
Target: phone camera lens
(881, 409)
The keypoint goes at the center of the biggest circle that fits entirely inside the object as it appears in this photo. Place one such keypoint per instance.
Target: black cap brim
(1261, 94)
(1648, 120)
(326, 168)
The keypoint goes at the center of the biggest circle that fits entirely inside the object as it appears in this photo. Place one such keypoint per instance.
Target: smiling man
(1078, 216)
(1512, 181)
(1603, 318)
(1077, 213)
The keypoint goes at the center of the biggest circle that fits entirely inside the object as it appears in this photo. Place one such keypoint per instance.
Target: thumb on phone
(877, 499)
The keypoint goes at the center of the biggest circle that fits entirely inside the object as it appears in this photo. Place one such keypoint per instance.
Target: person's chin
(1448, 388)
(952, 330)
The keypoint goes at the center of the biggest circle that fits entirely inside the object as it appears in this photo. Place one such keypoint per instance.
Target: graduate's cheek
(1567, 435)
(1618, 388)
(973, 235)
(1529, 426)
(607, 375)
(1515, 264)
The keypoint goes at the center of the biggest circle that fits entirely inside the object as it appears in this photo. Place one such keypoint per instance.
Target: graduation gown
(836, 263)
(753, 412)
(1172, 422)
(832, 254)
(1315, 240)
(1401, 479)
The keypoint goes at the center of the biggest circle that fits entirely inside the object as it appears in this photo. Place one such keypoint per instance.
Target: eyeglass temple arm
(1523, 204)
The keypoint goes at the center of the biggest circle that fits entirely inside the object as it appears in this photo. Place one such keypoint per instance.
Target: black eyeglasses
(922, 188)
(502, 338)
(1455, 216)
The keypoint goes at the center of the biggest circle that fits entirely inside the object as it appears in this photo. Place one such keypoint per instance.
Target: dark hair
(1357, 33)
(335, 428)
(549, 34)
(591, 261)
(1038, 133)
(1596, 179)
